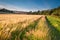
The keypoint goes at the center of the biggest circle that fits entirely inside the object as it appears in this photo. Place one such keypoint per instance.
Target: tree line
(55, 11)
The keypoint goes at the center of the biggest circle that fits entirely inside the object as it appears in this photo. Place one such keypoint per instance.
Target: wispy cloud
(13, 7)
(33, 7)
(29, 5)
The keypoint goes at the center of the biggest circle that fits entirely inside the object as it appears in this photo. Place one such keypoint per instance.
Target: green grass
(55, 21)
(53, 32)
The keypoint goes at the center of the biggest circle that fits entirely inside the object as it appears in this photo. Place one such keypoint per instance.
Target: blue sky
(29, 5)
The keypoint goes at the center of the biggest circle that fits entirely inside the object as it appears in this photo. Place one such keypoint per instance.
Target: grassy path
(36, 31)
(42, 30)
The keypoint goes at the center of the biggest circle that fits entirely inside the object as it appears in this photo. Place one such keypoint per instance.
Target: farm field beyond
(29, 27)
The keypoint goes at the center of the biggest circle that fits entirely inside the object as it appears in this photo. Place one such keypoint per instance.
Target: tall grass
(29, 27)
(11, 26)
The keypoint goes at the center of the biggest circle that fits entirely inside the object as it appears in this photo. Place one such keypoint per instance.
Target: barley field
(29, 27)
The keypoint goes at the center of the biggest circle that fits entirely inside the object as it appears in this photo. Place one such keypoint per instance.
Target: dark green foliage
(55, 11)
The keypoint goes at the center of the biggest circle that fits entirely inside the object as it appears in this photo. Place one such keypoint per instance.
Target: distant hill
(54, 11)
(3, 10)
(20, 12)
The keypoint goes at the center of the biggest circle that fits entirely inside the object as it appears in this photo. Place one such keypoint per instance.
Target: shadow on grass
(53, 32)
